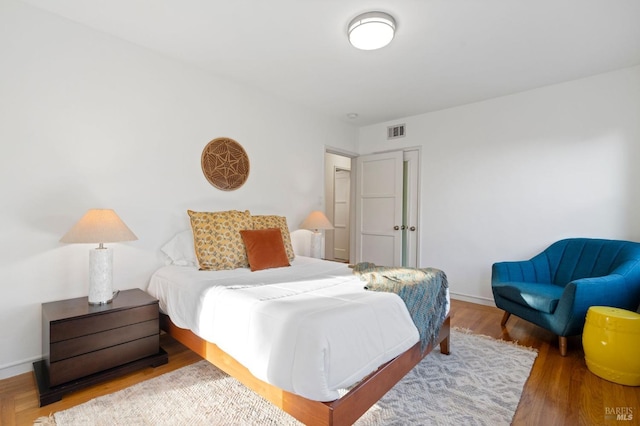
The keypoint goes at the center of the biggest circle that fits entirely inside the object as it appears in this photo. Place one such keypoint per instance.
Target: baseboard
(473, 299)
(17, 368)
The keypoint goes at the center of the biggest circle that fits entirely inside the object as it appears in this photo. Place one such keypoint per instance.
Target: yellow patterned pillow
(266, 222)
(217, 240)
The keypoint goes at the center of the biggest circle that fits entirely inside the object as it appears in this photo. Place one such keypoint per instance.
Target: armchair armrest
(579, 295)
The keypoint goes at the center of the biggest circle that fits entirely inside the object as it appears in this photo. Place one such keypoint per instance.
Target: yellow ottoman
(611, 342)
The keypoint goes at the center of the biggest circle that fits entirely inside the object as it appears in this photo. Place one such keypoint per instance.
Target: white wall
(90, 121)
(504, 178)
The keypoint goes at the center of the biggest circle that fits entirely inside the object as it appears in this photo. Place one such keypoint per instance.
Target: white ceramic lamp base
(100, 276)
(316, 245)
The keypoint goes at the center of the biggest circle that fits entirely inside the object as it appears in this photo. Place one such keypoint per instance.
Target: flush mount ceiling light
(371, 30)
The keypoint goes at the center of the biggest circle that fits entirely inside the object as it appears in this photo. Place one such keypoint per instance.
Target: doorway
(369, 234)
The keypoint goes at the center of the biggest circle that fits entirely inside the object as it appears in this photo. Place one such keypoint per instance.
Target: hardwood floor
(560, 391)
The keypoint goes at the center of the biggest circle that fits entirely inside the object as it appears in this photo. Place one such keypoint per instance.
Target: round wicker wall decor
(225, 164)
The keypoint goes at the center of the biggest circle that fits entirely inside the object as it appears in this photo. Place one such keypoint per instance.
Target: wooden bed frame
(343, 411)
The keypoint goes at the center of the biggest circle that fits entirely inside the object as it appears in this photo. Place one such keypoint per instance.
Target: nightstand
(87, 344)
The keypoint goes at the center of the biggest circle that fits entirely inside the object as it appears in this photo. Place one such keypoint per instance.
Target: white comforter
(310, 329)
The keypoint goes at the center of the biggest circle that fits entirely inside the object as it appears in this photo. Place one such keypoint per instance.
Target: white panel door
(342, 186)
(379, 185)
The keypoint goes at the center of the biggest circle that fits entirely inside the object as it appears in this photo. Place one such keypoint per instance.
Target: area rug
(479, 383)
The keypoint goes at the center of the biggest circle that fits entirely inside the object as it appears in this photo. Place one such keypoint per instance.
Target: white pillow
(180, 249)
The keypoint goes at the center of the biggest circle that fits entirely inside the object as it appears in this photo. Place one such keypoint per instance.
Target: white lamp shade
(371, 30)
(99, 226)
(316, 221)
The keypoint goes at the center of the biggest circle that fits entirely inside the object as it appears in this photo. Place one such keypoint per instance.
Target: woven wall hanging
(225, 164)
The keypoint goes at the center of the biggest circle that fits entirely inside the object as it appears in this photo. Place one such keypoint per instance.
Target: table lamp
(315, 222)
(100, 226)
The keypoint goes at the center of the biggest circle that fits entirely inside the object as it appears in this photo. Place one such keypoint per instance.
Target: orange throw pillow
(265, 248)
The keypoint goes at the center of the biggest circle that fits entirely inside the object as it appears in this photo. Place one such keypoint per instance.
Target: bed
(307, 337)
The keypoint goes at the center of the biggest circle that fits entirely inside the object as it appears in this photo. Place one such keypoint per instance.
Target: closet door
(379, 199)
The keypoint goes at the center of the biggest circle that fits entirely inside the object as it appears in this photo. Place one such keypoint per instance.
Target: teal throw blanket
(424, 291)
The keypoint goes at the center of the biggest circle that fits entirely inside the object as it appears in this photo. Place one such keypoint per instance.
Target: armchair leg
(562, 344)
(505, 317)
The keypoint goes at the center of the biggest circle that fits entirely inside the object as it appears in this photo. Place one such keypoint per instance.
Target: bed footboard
(343, 411)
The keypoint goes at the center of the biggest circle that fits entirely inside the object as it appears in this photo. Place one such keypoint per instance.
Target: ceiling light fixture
(371, 30)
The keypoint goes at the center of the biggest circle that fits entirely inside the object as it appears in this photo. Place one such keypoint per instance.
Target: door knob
(396, 227)
(413, 228)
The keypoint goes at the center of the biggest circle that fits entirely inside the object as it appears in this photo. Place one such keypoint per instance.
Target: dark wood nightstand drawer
(93, 342)
(94, 362)
(81, 326)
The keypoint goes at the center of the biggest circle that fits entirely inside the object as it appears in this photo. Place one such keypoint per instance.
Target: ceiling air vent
(395, 132)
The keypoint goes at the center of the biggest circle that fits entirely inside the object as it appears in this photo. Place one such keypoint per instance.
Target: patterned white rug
(480, 383)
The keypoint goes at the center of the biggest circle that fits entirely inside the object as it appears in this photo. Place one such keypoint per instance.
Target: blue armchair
(555, 288)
